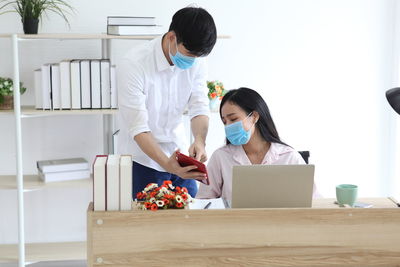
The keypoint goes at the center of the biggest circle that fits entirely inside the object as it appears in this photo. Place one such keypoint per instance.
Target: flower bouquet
(216, 92)
(166, 196)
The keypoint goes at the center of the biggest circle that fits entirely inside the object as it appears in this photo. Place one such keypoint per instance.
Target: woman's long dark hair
(249, 100)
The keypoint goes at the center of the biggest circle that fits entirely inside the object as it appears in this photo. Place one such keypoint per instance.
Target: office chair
(305, 155)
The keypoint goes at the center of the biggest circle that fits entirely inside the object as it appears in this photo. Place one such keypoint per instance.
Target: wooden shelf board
(27, 111)
(87, 36)
(45, 252)
(32, 182)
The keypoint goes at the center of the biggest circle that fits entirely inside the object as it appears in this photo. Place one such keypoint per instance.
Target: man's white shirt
(152, 96)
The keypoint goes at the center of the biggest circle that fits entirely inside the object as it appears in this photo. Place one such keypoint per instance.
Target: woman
(251, 139)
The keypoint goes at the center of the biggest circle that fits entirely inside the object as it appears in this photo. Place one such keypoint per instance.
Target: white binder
(95, 80)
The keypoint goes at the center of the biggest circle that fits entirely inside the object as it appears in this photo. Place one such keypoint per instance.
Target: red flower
(153, 193)
(179, 204)
(154, 206)
(147, 205)
(166, 201)
(184, 189)
(167, 182)
(184, 196)
(168, 196)
(140, 195)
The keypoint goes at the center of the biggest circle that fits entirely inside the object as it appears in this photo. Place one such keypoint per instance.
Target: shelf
(78, 36)
(45, 252)
(33, 182)
(30, 111)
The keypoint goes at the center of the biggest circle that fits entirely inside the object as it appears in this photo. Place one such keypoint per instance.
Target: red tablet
(188, 161)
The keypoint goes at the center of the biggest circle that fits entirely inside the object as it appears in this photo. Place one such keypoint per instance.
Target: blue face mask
(236, 134)
(180, 60)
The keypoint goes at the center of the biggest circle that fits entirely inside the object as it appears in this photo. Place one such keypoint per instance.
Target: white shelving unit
(40, 251)
(50, 251)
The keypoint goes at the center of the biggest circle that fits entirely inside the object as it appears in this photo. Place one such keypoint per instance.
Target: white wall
(322, 67)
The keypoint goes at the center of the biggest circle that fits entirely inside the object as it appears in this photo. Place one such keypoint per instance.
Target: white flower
(178, 198)
(11, 88)
(160, 194)
(150, 187)
(1, 85)
(171, 186)
(152, 200)
(5, 83)
(164, 190)
(160, 203)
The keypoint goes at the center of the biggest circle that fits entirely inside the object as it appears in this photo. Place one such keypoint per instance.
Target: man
(156, 82)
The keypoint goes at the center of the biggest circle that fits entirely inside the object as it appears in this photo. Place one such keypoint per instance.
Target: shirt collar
(161, 60)
(273, 154)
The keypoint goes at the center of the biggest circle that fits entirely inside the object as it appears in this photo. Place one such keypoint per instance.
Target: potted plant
(31, 11)
(6, 93)
(216, 91)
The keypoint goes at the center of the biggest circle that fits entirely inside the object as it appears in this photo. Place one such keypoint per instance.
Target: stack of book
(132, 26)
(63, 169)
(76, 84)
(112, 182)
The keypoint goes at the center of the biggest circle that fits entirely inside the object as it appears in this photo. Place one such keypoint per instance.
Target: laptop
(272, 186)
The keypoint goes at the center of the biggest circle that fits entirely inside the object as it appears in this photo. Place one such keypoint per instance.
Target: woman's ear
(256, 116)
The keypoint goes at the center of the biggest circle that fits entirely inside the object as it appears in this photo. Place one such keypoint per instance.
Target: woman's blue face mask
(236, 134)
(180, 60)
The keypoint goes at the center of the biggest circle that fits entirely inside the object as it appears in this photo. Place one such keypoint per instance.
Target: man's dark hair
(195, 29)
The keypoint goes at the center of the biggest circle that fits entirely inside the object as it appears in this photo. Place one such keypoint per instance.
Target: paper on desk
(216, 203)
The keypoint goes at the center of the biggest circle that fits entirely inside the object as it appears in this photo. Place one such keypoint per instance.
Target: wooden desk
(322, 236)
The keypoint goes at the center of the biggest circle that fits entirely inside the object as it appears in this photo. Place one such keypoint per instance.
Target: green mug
(346, 194)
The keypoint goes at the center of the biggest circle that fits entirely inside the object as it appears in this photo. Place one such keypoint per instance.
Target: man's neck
(165, 48)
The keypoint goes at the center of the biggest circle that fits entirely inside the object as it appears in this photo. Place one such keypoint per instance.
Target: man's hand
(172, 166)
(198, 151)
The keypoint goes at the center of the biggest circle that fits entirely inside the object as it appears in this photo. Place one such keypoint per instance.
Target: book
(112, 182)
(62, 165)
(64, 175)
(65, 84)
(46, 86)
(125, 185)
(184, 161)
(134, 30)
(55, 86)
(113, 82)
(37, 77)
(216, 203)
(75, 85)
(115, 142)
(99, 183)
(105, 83)
(85, 84)
(95, 88)
(121, 20)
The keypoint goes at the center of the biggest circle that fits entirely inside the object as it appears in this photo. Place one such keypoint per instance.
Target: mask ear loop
(248, 116)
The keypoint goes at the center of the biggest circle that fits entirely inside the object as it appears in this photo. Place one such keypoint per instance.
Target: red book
(184, 161)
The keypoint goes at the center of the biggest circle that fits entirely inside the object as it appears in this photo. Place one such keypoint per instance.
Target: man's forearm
(199, 125)
(149, 146)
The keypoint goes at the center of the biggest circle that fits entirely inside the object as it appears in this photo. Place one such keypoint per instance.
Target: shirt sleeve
(132, 97)
(198, 101)
(214, 189)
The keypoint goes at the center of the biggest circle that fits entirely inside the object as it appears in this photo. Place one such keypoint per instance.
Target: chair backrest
(305, 155)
